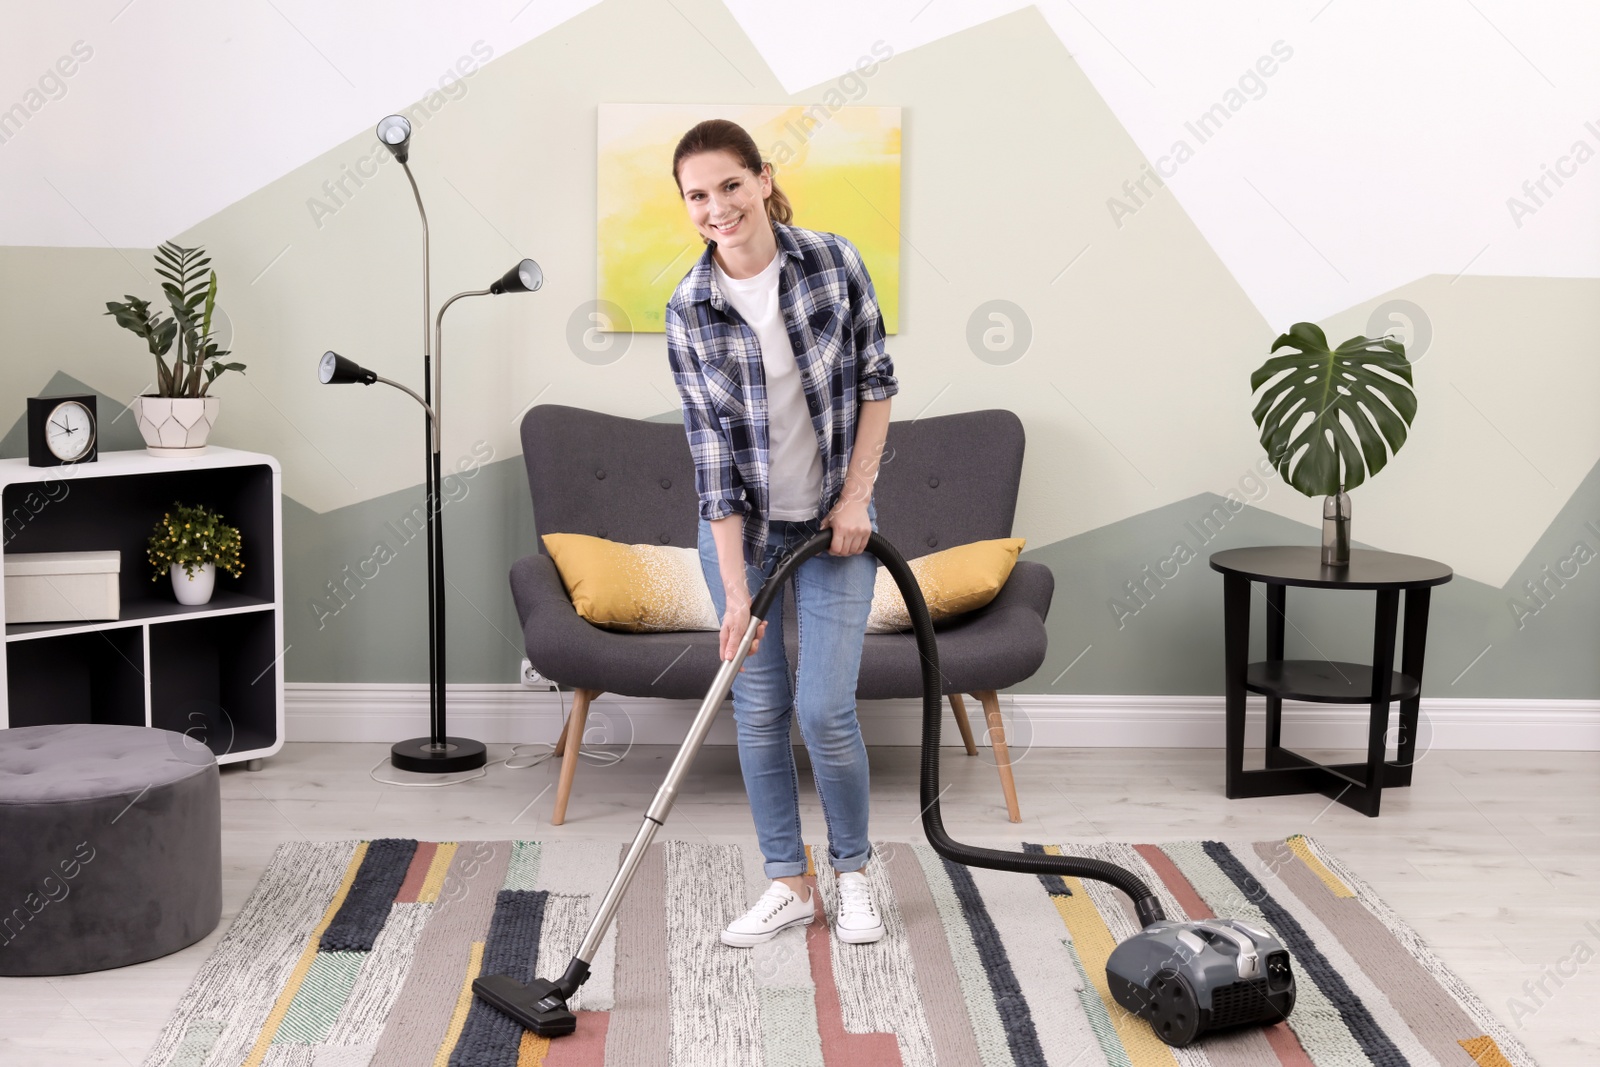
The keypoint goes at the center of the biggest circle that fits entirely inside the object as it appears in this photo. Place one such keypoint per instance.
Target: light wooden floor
(1493, 857)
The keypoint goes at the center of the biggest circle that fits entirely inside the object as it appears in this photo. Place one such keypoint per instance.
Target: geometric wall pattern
(1134, 202)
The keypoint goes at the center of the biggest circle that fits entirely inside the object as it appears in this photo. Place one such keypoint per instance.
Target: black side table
(1358, 785)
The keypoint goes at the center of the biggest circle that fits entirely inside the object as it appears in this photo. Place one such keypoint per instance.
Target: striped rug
(351, 954)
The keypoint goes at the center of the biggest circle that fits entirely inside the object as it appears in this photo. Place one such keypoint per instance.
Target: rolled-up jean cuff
(787, 869)
(851, 863)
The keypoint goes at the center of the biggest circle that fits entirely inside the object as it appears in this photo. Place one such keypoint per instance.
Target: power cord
(601, 759)
(483, 772)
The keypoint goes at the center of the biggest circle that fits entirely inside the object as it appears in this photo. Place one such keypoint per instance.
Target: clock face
(69, 431)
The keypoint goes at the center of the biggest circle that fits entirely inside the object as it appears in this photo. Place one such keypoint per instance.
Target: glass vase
(1336, 529)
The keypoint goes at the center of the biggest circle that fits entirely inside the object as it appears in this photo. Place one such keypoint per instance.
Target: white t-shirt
(794, 457)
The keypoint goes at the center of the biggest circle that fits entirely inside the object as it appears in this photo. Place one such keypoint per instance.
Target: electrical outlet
(532, 678)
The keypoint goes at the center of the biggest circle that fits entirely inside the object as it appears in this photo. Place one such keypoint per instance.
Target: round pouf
(110, 846)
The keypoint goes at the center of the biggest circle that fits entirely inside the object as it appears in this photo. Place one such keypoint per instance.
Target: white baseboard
(507, 713)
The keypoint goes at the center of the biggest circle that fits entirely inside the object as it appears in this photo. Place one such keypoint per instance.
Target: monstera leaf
(1305, 416)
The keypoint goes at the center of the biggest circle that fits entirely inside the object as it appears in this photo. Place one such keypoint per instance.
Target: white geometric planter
(196, 590)
(176, 426)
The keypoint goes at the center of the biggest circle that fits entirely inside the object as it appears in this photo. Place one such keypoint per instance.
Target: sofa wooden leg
(962, 724)
(561, 739)
(1002, 754)
(571, 742)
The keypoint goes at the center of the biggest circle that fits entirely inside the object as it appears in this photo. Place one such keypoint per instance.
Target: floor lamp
(438, 753)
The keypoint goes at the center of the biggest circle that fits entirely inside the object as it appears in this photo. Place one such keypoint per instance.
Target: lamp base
(422, 755)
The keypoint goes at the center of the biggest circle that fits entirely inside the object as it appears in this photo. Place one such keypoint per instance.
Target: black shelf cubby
(215, 680)
(119, 513)
(93, 677)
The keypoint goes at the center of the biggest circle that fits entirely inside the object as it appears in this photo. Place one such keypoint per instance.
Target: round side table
(1357, 785)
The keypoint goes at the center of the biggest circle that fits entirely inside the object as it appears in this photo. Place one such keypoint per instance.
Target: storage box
(62, 586)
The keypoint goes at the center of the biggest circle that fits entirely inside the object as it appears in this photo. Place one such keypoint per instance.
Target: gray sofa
(945, 481)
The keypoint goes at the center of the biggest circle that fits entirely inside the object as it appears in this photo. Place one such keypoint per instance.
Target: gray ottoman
(110, 847)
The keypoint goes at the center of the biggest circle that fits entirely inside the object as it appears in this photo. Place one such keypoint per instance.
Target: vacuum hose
(1146, 906)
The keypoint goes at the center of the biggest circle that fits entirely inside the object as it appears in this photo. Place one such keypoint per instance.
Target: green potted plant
(189, 544)
(1312, 398)
(177, 418)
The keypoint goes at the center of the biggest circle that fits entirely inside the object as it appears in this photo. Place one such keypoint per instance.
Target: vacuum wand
(541, 1006)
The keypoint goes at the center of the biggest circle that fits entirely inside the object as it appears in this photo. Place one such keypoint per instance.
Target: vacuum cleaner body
(1184, 977)
(1188, 978)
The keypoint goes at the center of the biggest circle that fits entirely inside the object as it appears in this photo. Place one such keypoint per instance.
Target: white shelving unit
(213, 672)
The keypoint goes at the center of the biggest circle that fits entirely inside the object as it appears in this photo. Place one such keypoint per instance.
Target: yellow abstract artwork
(839, 167)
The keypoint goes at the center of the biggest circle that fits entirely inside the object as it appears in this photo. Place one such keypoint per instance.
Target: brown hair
(720, 135)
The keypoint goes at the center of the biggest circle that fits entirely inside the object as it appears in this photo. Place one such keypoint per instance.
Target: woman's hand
(851, 525)
(735, 621)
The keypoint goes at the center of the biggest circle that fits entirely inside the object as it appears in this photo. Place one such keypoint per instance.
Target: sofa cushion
(635, 588)
(660, 589)
(953, 582)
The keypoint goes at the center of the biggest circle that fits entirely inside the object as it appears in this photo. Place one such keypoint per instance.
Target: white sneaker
(778, 909)
(858, 922)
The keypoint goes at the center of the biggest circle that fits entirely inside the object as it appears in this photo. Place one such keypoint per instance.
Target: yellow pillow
(637, 588)
(954, 581)
(657, 588)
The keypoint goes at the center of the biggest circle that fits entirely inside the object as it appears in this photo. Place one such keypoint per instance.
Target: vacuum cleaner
(1184, 978)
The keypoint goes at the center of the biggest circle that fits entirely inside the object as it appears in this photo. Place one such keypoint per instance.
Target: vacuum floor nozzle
(540, 1005)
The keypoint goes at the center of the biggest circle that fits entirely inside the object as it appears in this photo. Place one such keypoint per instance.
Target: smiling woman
(777, 348)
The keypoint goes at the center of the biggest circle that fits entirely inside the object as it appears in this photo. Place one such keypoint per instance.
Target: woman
(776, 344)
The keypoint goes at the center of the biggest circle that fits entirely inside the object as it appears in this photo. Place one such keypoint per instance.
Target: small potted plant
(1314, 398)
(177, 418)
(189, 544)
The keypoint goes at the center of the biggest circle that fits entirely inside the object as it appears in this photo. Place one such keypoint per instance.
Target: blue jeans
(833, 596)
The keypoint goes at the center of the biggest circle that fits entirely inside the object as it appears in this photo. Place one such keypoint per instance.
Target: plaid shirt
(836, 331)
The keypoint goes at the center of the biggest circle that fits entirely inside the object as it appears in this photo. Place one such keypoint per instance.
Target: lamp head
(336, 370)
(395, 133)
(525, 277)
